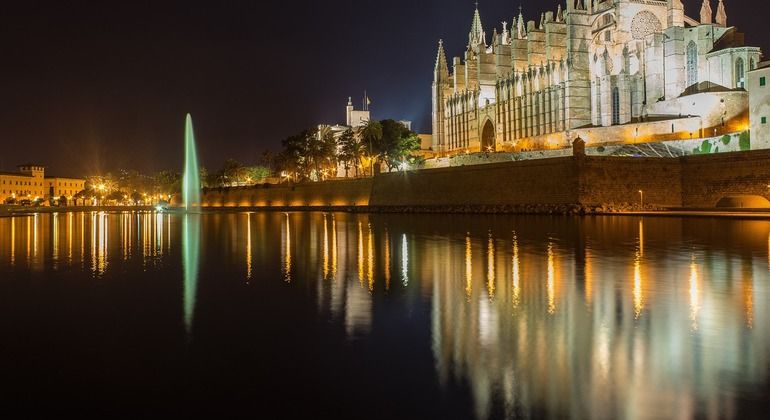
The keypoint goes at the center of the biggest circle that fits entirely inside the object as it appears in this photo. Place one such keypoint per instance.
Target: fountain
(191, 196)
(191, 184)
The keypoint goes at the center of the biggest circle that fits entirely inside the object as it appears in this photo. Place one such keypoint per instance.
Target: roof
(731, 39)
(19, 174)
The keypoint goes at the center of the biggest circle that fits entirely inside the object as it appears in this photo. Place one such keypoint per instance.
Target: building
(607, 71)
(759, 103)
(30, 183)
(357, 118)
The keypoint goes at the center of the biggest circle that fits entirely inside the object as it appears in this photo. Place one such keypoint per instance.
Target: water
(191, 184)
(383, 316)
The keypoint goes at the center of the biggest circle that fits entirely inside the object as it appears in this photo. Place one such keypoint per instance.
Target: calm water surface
(383, 316)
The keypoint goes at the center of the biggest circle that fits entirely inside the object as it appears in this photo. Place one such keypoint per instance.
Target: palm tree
(351, 150)
(371, 132)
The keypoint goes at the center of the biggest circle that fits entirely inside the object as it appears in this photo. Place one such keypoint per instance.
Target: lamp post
(641, 199)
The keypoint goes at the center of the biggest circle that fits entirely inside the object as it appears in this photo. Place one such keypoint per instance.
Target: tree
(167, 183)
(322, 151)
(371, 133)
(256, 174)
(352, 149)
(396, 144)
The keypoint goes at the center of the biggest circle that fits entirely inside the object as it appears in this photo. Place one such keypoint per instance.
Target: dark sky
(92, 86)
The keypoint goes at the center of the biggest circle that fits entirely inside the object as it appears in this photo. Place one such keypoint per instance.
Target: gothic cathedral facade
(591, 64)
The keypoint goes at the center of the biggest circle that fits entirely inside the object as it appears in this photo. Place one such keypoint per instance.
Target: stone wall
(544, 185)
(342, 193)
(546, 181)
(616, 180)
(708, 178)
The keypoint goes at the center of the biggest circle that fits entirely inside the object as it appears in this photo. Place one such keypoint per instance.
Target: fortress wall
(707, 178)
(606, 179)
(547, 181)
(354, 192)
(692, 181)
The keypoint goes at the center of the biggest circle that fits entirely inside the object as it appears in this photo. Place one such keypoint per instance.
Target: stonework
(596, 63)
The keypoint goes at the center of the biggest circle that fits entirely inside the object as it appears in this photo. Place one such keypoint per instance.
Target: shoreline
(535, 210)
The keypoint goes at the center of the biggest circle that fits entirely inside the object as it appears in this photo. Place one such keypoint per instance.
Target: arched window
(752, 64)
(615, 106)
(739, 73)
(692, 63)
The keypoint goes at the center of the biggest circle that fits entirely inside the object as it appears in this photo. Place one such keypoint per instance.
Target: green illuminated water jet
(191, 184)
(191, 230)
(191, 197)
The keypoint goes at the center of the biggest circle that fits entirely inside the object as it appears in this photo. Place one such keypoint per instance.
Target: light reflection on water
(605, 317)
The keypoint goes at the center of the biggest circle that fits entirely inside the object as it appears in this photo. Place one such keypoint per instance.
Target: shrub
(726, 139)
(705, 147)
(745, 141)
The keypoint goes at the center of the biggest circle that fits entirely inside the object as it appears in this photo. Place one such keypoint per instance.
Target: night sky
(96, 86)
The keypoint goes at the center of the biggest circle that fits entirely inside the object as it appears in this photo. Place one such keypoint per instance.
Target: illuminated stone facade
(30, 183)
(593, 63)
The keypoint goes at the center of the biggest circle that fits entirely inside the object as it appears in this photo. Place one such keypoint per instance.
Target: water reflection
(605, 317)
(190, 253)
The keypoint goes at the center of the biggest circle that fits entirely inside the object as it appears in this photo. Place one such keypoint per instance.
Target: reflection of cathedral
(554, 327)
(595, 64)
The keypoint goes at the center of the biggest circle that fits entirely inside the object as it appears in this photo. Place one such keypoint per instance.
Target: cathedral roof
(731, 39)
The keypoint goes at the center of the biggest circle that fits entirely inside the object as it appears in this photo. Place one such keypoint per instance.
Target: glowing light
(387, 259)
(550, 282)
(13, 241)
(325, 250)
(334, 248)
(370, 259)
(287, 252)
(248, 246)
(468, 267)
(515, 271)
(404, 260)
(360, 254)
(638, 292)
(694, 294)
(491, 266)
(748, 301)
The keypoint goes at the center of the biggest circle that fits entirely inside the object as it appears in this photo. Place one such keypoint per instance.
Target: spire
(559, 14)
(706, 14)
(476, 36)
(521, 33)
(721, 14)
(441, 69)
(542, 21)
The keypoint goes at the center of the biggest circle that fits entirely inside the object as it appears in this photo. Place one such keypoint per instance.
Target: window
(739, 73)
(762, 81)
(764, 120)
(692, 63)
(615, 106)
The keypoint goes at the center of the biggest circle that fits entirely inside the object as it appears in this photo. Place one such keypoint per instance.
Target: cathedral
(605, 70)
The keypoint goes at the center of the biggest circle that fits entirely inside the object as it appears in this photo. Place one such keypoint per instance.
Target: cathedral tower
(441, 87)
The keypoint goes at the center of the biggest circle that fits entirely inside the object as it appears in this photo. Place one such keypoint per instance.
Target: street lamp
(641, 199)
